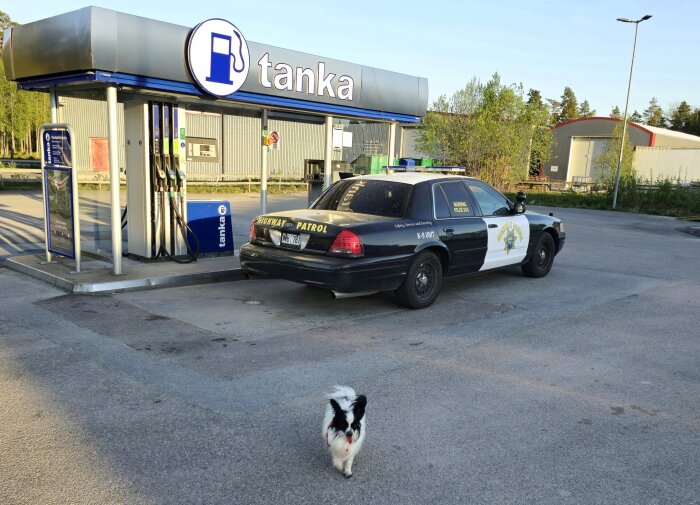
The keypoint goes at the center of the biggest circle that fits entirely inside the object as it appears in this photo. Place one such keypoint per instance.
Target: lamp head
(648, 16)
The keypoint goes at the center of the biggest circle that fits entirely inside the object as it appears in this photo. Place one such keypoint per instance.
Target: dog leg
(338, 464)
(348, 467)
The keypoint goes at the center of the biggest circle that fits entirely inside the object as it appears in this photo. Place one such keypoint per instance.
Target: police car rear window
(379, 198)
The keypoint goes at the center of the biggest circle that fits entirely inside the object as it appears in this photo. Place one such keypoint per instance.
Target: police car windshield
(379, 198)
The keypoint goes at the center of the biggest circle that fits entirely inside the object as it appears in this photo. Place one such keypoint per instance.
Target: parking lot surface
(582, 387)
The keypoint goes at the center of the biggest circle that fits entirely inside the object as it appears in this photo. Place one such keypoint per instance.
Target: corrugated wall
(655, 163)
(205, 126)
(89, 119)
(240, 151)
(298, 142)
(242, 146)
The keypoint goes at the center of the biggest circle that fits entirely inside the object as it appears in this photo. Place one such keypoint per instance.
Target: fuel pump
(170, 178)
(158, 183)
(176, 182)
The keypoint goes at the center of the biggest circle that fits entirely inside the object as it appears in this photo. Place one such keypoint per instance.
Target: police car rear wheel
(422, 282)
(540, 262)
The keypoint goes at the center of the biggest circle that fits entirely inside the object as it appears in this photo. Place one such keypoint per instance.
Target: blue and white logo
(218, 57)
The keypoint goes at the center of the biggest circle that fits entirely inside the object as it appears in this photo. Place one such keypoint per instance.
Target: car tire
(540, 263)
(422, 282)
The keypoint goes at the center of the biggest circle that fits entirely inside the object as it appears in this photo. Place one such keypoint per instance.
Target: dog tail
(342, 393)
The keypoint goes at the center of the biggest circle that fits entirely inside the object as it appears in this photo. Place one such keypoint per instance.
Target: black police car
(403, 233)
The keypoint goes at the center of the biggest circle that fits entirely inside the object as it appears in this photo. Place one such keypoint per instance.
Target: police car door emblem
(508, 235)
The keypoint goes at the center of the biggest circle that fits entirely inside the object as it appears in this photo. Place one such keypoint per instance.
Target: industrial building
(658, 153)
(223, 145)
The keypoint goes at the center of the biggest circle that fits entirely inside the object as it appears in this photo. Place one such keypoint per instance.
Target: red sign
(275, 137)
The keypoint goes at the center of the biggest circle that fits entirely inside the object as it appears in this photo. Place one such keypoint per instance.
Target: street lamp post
(629, 86)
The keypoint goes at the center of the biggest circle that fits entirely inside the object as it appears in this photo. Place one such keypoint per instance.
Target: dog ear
(359, 406)
(336, 408)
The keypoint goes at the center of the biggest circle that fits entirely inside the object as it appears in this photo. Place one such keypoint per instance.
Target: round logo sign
(222, 210)
(218, 57)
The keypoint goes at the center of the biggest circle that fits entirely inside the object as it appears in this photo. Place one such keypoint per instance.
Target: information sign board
(61, 221)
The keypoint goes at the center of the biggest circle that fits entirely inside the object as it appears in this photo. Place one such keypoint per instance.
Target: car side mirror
(519, 207)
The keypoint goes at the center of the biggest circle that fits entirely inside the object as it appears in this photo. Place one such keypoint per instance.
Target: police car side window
(492, 203)
(456, 200)
(442, 211)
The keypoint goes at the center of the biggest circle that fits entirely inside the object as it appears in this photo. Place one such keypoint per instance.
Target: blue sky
(542, 44)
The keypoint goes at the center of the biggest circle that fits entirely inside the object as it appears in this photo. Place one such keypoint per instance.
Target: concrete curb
(120, 286)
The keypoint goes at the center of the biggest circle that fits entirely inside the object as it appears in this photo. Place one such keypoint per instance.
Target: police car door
(459, 227)
(508, 233)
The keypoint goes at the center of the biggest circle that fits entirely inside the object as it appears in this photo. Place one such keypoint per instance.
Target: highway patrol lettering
(271, 221)
(319, 228)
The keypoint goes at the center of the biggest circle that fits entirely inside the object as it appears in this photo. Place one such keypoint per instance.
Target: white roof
(670, 133)
(407, 177)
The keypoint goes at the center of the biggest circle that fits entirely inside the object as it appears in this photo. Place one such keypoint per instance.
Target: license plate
(291, 240)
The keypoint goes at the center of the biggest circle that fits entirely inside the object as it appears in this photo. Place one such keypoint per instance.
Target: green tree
(680, 116)
(487, 128)
(569, 106)
(21, 112)
(584, 110)
(654, 114)
(606, 163)
(636, 117)
(534, 98)
(692, 126)
(5, 23)
(542, 140)
(615, 113)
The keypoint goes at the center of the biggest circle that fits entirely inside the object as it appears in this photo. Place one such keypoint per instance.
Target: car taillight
(252, 236)
(346, 243)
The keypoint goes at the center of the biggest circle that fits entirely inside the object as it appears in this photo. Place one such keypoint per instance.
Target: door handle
(449, 231)
(493, 225)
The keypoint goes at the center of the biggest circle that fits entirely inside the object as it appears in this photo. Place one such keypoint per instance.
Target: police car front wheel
(540, 263)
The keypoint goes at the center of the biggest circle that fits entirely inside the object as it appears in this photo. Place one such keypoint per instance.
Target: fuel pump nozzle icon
(220, 64)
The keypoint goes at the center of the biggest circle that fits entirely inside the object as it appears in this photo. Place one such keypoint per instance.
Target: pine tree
(680, 116)
(569, 106)
(654, 114)
(615, 113)
(692, 126)
(636, 117)
(584, 110)
(534, 98)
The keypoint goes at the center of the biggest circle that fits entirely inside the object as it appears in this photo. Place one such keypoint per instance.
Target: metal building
(235, 154)
(658, 153)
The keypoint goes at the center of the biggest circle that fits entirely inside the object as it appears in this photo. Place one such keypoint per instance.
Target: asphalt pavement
(582, 387)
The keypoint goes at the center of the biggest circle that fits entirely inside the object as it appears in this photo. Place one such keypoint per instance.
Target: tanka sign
(284, 76)
(219, 57)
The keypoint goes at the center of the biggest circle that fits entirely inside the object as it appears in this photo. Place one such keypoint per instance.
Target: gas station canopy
(94, 47)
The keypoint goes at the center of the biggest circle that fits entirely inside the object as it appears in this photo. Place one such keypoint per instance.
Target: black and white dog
(344, 427)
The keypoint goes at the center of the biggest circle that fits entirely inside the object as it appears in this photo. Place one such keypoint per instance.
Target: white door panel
(508, 238)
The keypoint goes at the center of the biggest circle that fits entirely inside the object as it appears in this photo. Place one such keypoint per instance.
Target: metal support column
(54, 104)
(328, 158)
(263, 168)
(392, 146)
(114, 183)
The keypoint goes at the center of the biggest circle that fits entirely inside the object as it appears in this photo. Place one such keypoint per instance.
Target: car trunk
(308, 230)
